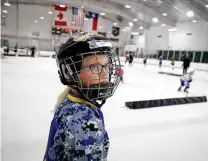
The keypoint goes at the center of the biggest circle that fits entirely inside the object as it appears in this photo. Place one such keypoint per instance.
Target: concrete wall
(178, 40)
(197, 41)
(154, 41)
(22, 24)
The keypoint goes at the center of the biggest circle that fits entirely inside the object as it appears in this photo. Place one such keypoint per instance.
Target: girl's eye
(94, 66)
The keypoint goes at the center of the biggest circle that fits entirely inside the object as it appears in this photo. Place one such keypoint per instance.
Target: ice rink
(175, 133)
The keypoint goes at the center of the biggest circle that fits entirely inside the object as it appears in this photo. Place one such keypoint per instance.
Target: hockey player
(33, 49)
(131, 58)
(86, 64)
(119, 72)
(160, 61)
(186, 80)
(172, 63)
(127, 58)
(186, 64)
(145, 61)
(15, 50)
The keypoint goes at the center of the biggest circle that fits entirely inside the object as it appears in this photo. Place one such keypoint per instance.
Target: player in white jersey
(186, 80)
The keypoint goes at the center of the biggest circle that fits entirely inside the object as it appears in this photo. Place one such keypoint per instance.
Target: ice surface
(175, 133)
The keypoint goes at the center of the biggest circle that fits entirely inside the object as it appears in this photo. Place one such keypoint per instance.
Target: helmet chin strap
(99, 91)
(98, 103)
(93, 93)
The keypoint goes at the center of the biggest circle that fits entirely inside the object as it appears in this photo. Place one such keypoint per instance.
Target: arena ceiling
(140, 12)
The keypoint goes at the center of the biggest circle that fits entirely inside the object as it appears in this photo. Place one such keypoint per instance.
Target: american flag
(77, 17)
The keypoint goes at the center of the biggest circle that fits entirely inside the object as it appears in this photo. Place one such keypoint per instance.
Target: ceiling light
(127, 6)
(164, 14)
(190, 13)
(103, 14)
(145, 0)
(163, 25)
(62, 5)
(115, 23)
(36, 21)
(49, 12)
(159, 1)
(176, 7)
(134, 33)
(206, 6)
(172, 29)
(86, 19)
(7, 4)
(141, 28)
(123, 30)
(155, 19)
(131, 24)
(135, 19)
(194, 21)
(82, 6)
(42, 18)
(99, 26)
(5, 11)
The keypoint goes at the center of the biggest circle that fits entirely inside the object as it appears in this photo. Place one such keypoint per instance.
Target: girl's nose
(104, 73)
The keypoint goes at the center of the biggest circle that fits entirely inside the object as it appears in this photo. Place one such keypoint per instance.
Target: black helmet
(70, 55)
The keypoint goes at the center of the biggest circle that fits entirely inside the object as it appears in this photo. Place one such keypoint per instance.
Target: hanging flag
(60, 16)
(95, 19)
(77, 17)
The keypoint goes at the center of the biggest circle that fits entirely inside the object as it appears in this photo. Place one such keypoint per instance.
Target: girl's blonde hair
(61, 98)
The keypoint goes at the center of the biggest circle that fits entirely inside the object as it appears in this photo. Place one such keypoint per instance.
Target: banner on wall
(115, 31)
(35, 34)
(95, 17)
(62, 30)
(60, 16)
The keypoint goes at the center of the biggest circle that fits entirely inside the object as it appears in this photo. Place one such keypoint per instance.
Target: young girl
(127, 58)
(86, 65)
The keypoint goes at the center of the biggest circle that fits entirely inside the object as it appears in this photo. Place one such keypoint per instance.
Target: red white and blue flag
(95, 17)
(77, 17)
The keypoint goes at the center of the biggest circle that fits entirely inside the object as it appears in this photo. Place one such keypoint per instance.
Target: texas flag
(60, 16)
(95, 19)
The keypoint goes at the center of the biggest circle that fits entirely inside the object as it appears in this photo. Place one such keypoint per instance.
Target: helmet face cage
(98, 91)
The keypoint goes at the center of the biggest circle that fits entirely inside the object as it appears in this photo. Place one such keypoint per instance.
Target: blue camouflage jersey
(77, 132)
